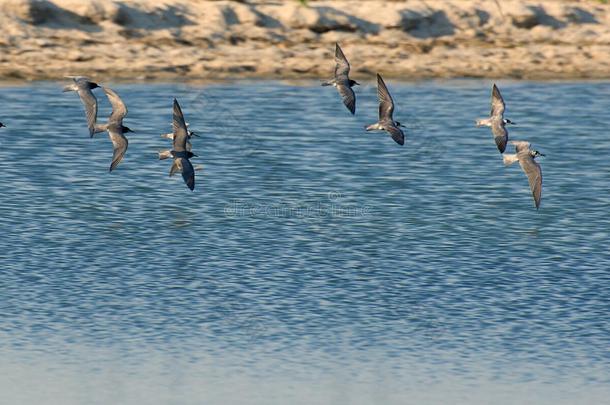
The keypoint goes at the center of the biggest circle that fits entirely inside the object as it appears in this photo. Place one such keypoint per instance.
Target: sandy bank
(171, 39)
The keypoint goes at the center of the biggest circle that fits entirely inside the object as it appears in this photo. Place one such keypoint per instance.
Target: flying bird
(496, 120)
(170, 135)
(115, 128)
(166, 154)
(180, 151)
(342, 81)
(190, 134)
(83, 87)
(386, 111)
(525, 156)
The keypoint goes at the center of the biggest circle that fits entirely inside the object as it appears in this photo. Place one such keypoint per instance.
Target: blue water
(315, 263)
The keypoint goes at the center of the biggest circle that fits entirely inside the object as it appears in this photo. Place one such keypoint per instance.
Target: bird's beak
(513, 123)
(194, 134)
(541, 154)
(356, 83)
(195, 155)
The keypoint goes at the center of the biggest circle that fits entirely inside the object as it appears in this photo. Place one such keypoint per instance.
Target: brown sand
(206, 40)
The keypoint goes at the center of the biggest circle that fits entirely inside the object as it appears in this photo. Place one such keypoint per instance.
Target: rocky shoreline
(210, 40)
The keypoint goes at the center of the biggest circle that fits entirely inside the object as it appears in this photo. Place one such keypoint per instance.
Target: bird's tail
(327, 82)
(372, 127)
(165, 154)
(99, 128)
(70, 87)
(485, 122)
(509, 158)
(168, 136)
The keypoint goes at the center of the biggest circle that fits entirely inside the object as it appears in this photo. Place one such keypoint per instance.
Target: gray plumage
(184, 166)
(342, 81)
(496, 120)
(170, 135)
(190, 133)
(526, 158)
(119, 144)
(386, 114)
(83, 87)
(165, 154)
(115, 128)
(180, 151)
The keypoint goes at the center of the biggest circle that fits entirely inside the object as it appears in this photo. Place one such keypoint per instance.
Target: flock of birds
(181, 150)
(525, 155)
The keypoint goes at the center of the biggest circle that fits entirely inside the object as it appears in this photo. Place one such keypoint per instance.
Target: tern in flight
(386, 111)
(496, 119)
(342, 81)
(525, 156)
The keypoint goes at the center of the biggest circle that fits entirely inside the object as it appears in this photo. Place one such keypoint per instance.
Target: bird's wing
(342, 66)
(90, 103)
(179, 129)
(348, 96)
(176, 167)
(386, 104)
(188, 174)
(396, 133)
(500, 134)
(497, 103)
(521, 145)
(119, 142)
(534, 175)
(119, 110)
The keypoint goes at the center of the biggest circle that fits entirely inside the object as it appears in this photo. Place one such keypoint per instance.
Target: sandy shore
(207, 40)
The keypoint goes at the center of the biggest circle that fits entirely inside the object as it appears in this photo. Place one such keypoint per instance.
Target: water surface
(315, 263)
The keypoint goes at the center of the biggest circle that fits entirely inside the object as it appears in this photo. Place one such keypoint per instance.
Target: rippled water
(315, 263)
